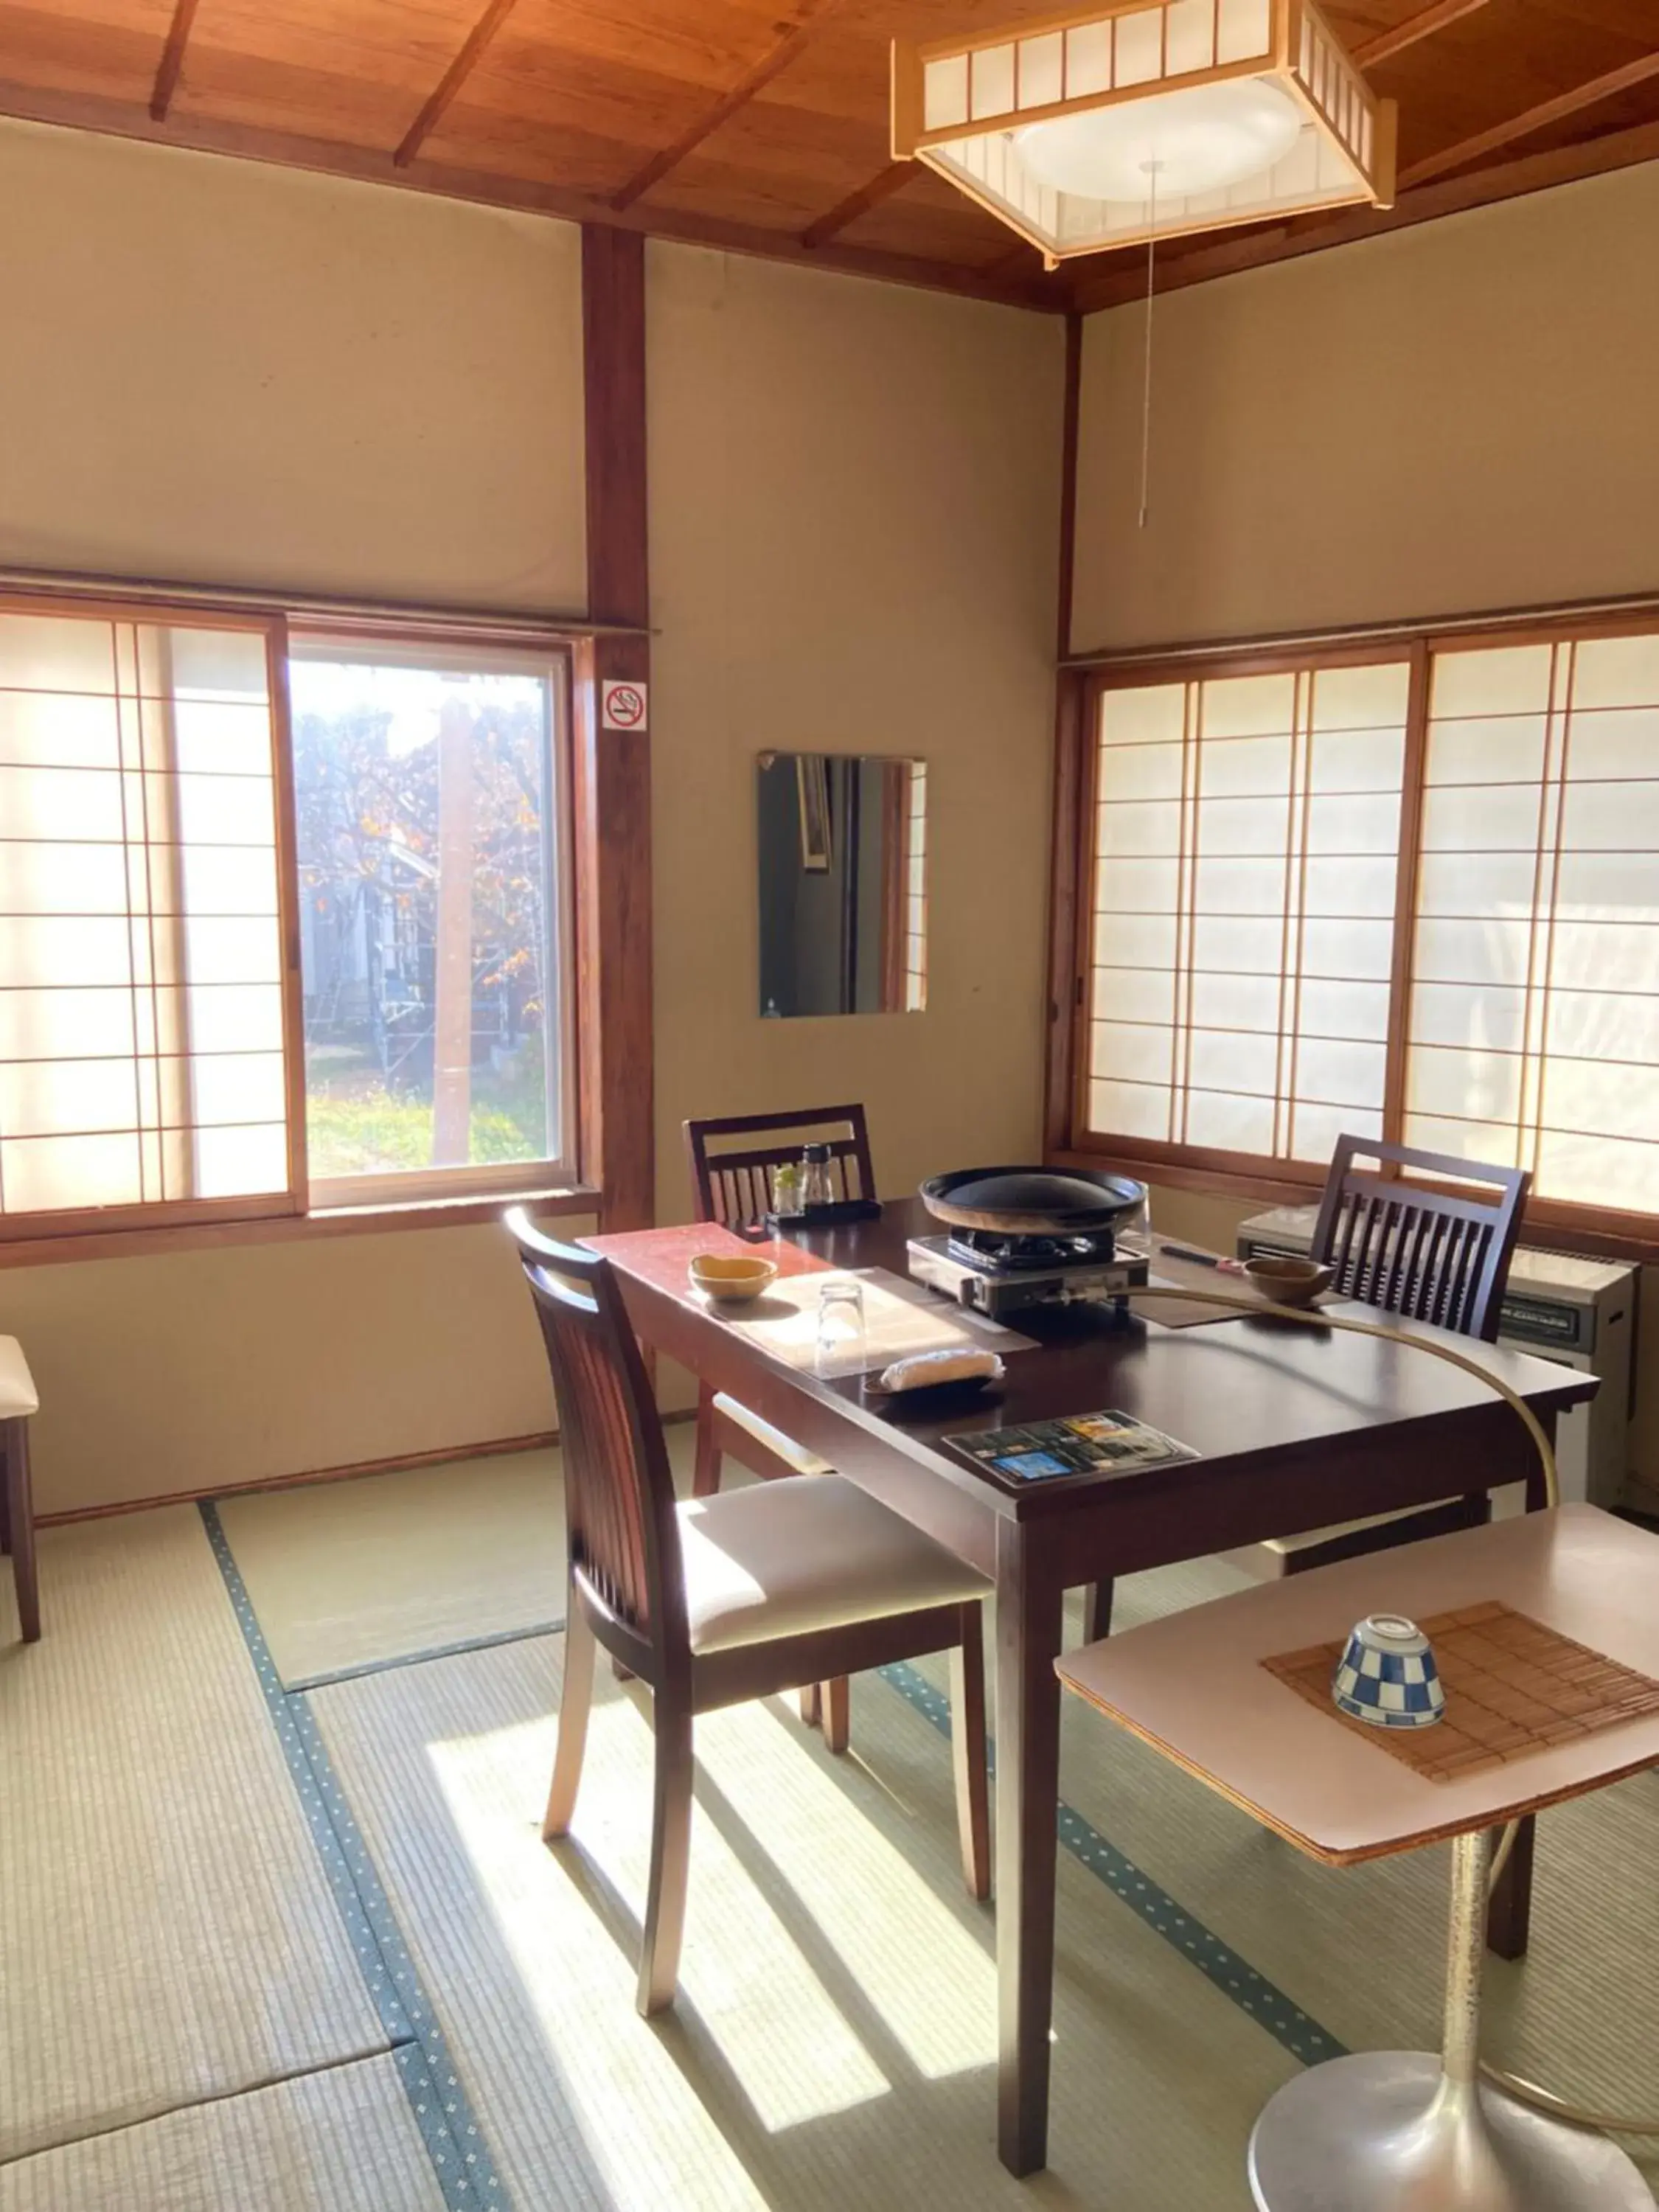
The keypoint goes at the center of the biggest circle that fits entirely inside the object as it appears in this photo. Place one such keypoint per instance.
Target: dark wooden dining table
(1294, 1428)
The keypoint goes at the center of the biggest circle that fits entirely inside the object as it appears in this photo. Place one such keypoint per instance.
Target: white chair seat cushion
(805, 1552)
(783, 1447)
(18, 1396)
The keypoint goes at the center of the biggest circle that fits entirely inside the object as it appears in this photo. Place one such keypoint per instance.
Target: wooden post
(613, 766)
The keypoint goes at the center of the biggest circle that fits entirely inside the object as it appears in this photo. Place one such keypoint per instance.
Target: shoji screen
(1248, 833)
(141, 1055)
(1534, 1021)
(915, 887)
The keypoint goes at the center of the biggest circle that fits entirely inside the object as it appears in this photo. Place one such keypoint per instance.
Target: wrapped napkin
(926, 1371)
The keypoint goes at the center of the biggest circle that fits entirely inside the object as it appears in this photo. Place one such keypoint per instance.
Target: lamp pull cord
(1147, 367)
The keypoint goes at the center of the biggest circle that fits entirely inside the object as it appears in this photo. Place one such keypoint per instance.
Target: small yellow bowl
(731, 1276)
(1290, 1282)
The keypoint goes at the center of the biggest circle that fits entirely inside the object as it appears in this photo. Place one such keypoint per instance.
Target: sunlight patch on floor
(791, 2052)
(930, 1978)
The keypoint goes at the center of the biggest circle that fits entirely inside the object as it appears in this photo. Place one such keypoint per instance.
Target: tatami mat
(834, 2035)
(167, 1933)
(346, 1574)
(343, 2140)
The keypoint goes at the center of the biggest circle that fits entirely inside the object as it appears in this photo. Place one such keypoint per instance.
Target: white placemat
(900, 1317)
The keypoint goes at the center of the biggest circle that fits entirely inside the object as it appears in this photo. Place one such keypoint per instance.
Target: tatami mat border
(1267, 2005)
(463, 1644)
(466, 2173)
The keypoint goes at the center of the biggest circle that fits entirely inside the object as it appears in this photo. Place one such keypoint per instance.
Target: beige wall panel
(854, 515)
(197, 1370)
(1455, 417)
(222, 371)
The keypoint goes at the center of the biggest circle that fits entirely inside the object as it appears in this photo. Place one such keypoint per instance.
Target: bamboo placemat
(1512, 1686)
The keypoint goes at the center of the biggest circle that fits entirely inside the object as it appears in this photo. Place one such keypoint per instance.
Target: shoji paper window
(142, 1059)
(915, 886)
(1535, 1004)
(1247, 839)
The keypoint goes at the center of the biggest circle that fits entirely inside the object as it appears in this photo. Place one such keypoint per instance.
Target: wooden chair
(18, 1403)
(1428, 1254)
(732, 1162)
(720, 1599)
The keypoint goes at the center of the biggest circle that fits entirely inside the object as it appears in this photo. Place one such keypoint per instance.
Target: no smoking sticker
(623, 707)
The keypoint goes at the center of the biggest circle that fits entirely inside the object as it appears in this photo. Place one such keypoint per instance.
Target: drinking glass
(841, 1315)
(1133, 1239)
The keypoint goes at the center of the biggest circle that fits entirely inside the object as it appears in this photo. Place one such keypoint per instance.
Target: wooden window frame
(479, 1180)
(1068, 1140)
(597, 969)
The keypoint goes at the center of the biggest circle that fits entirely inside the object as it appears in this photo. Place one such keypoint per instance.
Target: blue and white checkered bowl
(1386, 1674)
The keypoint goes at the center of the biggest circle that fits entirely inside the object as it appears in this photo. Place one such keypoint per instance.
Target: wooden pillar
(1069, 790)
(613, 765)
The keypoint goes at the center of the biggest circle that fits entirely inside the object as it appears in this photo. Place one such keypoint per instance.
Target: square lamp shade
(1123, 122)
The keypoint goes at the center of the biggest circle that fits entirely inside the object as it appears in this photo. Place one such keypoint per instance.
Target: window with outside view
(429, 803)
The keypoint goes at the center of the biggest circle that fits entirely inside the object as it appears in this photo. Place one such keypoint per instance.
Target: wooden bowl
(732, 1277)
(1290, 1282)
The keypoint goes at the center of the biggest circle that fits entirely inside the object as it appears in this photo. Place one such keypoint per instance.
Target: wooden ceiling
(763, 127)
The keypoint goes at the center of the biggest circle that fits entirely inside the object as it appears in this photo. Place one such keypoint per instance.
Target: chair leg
(1509, 1915)
(20, 1527)
(837, 1701)
(671, 1854)
(1097, 1612)
(573, 1708)
(968, 1754)
(706, 1463)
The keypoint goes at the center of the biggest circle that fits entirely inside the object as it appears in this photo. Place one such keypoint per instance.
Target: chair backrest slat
(619, 1492)
(1431, 1254)
(733, 1158)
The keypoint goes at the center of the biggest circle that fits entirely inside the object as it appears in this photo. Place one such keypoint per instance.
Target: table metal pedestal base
(1387, 2132)
(1403, 2131)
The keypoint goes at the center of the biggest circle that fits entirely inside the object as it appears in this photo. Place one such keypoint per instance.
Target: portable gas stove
(1020, 1237)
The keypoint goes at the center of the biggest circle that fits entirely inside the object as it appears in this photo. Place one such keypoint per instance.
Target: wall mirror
(842, 888)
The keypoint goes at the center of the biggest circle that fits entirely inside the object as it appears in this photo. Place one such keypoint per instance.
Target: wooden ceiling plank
(771, 65)
(881, 186)
(172, 59)
(1230, 257)
(1535, 118)
(494, 15)
(1423, 25)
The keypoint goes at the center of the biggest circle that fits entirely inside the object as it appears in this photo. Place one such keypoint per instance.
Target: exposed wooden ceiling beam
(1423, 25)
(1535, 118)
(494, 15)
(1229, 256)
(881, 186)
(1012, 261)
(172, 59)
(793, 37)
(443, 180)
